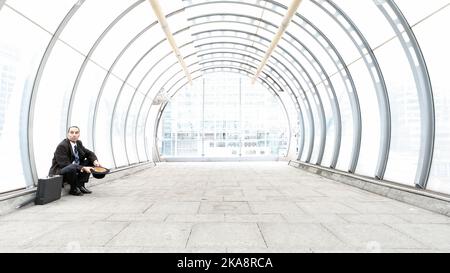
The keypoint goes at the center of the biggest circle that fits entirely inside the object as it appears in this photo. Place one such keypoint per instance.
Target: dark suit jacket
(63, 156)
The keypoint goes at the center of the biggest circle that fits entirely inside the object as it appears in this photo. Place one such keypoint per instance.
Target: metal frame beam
(165, 27)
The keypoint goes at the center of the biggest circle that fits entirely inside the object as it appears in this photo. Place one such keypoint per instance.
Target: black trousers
(74, 177)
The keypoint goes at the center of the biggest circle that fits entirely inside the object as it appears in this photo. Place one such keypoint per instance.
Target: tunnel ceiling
(330, 69)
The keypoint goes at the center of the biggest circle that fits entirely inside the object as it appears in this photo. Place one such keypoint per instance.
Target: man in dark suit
(73, 161)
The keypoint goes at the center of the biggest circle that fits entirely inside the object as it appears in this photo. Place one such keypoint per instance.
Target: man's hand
(96, 164)
(86, 169)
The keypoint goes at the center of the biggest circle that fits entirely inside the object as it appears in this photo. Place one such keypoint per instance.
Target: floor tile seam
(262, 234)
(189, 236)
(407, 235)
(361, 211)
(402, 216)
(145, 210)
(343, 215)
(115, 235)
(300, 208)
(324, 226)
(354, 211)
(106, 218)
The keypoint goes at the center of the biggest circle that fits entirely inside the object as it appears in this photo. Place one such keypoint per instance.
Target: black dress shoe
(75, 191)
(84, 190)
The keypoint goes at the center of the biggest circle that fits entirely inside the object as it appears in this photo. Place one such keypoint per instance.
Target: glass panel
(20, 56)
(133, 109)
(149, 129)
(228, 25)
(314, 46)
(118, 125)
(331, 29)
(140, 129)
(182, 123)
(264, 119)
(52, 103)
(150, 61)
(308, 127)
(405, 113)
(137, 50)
(369, 20)
(122, 33)
(347, 123)
(370, 142)
(437, 56)
(330, 126)
(90, 21)
(102, 135)
(317, 130)
(84, 102)
(170, 6)
(416, 11)
(224, 8)
(305, 60)
(38, 11)
(153, 72)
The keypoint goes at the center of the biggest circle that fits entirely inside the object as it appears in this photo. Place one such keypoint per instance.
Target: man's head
(73, 133)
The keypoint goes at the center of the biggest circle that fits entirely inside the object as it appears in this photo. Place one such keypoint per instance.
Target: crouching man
(74, 162)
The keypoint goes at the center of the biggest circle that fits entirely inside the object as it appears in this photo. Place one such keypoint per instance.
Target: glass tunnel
(355, 86)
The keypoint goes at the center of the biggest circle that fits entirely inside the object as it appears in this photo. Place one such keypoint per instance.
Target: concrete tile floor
(224, 207)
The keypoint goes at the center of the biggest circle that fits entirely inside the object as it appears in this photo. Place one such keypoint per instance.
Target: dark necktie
(75, 153)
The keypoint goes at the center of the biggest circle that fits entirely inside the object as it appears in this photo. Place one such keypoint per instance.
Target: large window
(435, 48)
(224, 115)
(19, 59)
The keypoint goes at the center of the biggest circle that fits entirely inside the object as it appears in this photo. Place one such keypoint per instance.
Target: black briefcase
(48, 190)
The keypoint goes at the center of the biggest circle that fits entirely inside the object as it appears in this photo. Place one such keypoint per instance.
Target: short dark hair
(68, 130)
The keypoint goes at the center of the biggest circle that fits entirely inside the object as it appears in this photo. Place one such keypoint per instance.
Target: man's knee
(69, 169)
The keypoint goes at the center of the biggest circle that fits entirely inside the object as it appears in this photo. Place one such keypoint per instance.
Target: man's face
(73, 134)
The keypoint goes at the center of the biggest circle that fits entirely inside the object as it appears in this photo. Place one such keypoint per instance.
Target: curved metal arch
(308, 107)
(254, 66)
(115, 105)
(145, 95)
(162, 107)
(424, 89)
(317, 103)
(275, 82)
(158, 118)
(293, 97)
(109, 71)
(347, 79)
(29, 130)
(377, 79)
(322, 134)
(349, 84)
(119, 56)
(264, 83)
(277, 64)
(134, 93)
(161, 75)
(151, 87)
(88, 57)
(329, 87)
(295, 101)
(268, 76)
